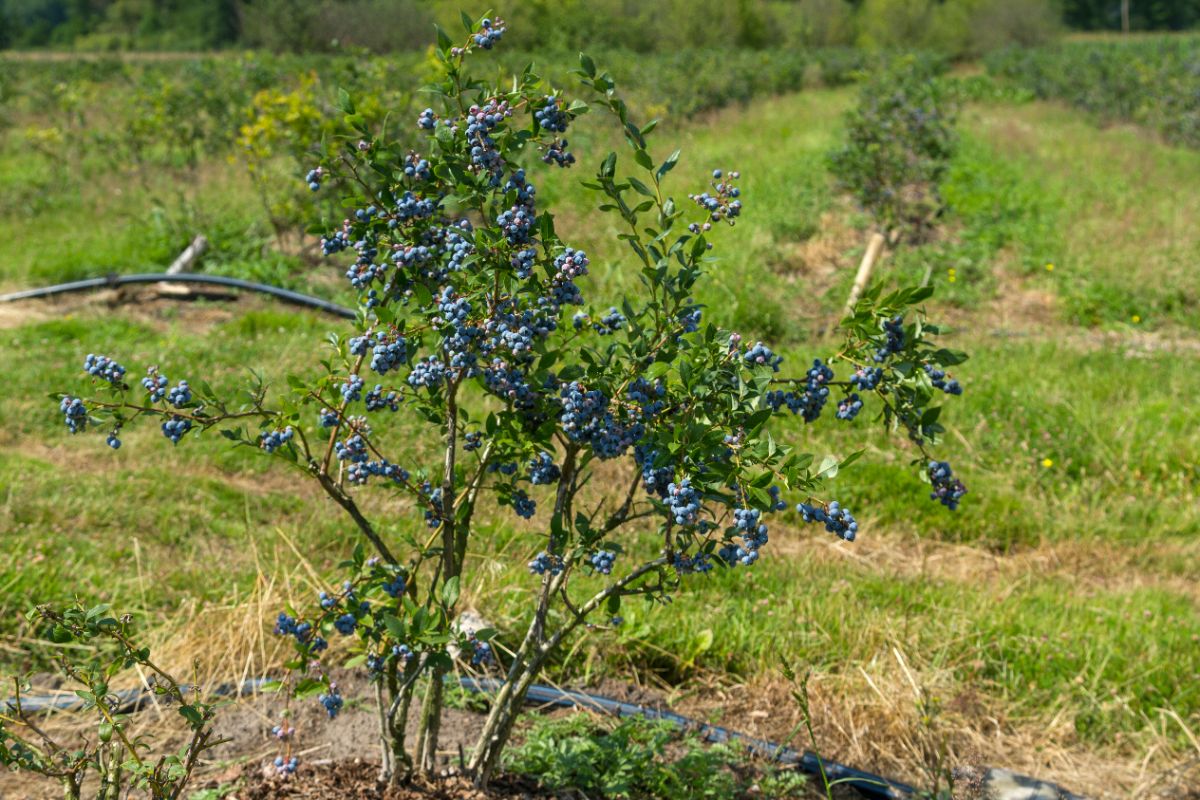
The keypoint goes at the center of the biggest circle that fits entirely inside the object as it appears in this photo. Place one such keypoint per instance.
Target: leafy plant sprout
(121, 760)
(467, 302)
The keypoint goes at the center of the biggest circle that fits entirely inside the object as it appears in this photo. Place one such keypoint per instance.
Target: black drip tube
(870, 786)
(286, 295)
(866, 784)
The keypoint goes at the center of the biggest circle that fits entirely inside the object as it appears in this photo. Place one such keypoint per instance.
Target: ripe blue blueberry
(545, 562)
(270, 441)
(938, 378)
(837, 520)
(602, 561)
(74, 413)
(332, 702)
(175, 428)
(947, 489)
(523, 505)
(543, 470)
(155, 385)
(104, 368)
(848, 407)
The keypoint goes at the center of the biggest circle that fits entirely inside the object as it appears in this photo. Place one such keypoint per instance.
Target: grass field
(1053, 623)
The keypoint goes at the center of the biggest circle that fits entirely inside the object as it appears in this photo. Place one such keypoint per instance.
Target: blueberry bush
(899, 141)
(121, 760)
(473, 320)
(1153, 82)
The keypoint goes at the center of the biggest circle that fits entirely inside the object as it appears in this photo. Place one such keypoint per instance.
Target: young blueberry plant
(474, 323)
(899, 142)
(122, 761)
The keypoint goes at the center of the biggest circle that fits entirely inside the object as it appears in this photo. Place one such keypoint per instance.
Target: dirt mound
(347, 780)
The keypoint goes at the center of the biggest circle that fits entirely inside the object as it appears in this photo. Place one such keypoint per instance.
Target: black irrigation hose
(286, 295)
(868, 785)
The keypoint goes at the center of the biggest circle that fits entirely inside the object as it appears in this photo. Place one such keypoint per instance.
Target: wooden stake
(874, 248)
(189, 256)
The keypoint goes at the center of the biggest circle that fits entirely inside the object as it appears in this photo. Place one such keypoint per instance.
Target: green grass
(1082, 459)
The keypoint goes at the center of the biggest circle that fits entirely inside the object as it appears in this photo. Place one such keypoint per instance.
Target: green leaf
(609, 167)
(828, 468)
(668, 165)
(396, 627)
(450, 592)
(194, 717)
(444, 43)
(467, 22)
(641, 188)
(587, 65)
(643, 159)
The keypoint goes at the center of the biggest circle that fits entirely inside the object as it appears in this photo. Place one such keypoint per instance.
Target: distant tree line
(1144, 15)
(960, 27)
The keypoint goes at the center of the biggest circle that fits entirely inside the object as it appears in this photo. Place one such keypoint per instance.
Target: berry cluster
(543, 470)
(747, 522)
(481, 121)
(271, 441)
(429, 372)
(377, 400)
(602, 561)
(395, 587)
(286, 625)
(417, 168)
(155, 385)
(837, 520)
(332, 702)
(586, 418)
(180, 395)
(313, 178)
(683, 502)
(74, 413)
(481, 651)
(551, 116)
(811, 401)
(724, 203)
(655, 480)
(286, 767)
(610, 323)
(490, 33)
(104, 368)
(866, 378)
(523, 504)
(761, 355)
(687, 565)
(175, 428)
(848, 407)
(894, 339)
(354, 449)
(545, 562)
(352, 388)
(947, 489)
(938, 378)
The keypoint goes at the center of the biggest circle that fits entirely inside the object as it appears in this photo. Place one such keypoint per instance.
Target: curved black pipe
(286, 295)
(868, 785)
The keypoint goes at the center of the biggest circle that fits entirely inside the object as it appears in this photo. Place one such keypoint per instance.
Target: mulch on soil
(346, 780)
